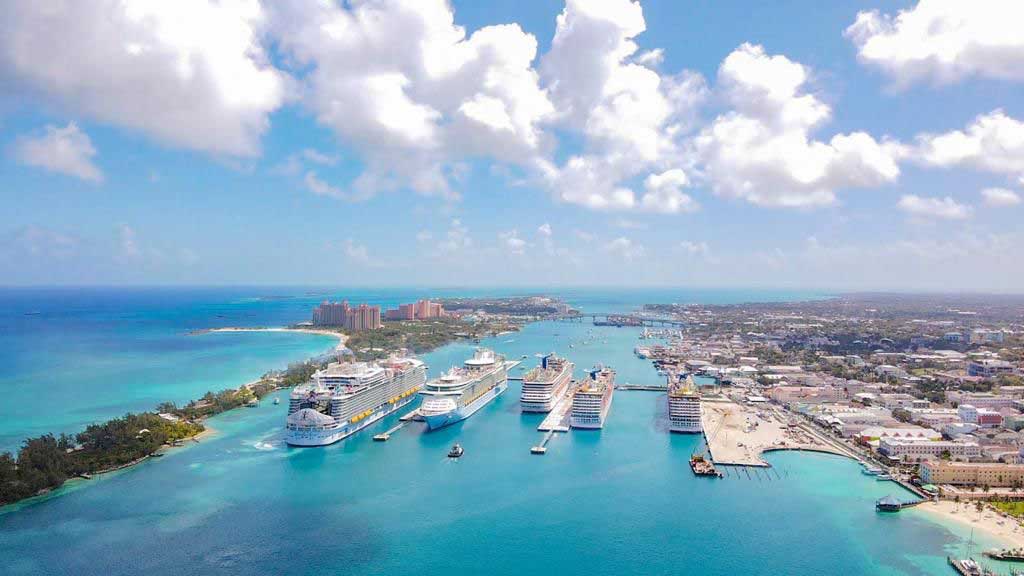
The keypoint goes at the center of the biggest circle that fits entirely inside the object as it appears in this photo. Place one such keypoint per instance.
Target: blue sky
(844, 145)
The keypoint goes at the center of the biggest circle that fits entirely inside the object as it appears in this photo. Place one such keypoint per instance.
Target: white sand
(989, 522)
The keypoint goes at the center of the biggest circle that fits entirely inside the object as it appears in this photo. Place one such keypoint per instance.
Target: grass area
(1015, 509)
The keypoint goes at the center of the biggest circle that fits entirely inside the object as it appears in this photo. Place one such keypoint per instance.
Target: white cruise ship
(593, 399)
(546, 384)
(462, 391)
(684, 406)
(346, 397)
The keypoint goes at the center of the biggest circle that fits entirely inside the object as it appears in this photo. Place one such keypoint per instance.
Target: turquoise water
(617, 501)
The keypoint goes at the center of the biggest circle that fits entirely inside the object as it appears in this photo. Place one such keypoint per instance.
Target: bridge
(611, 319)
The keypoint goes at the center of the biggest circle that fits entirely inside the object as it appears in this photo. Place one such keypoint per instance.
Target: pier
(558, 419)
(644, 387)
(387, 435)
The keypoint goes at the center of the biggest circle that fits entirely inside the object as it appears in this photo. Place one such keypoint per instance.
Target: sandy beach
(341, 337)
(989, 522)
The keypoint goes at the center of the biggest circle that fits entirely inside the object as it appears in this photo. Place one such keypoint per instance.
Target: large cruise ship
(545, 384)
(462, 391)
(346, 397)
(593, 399)
(684, 406)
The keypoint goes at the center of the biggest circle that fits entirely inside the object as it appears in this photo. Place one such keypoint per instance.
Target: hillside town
(928, 389)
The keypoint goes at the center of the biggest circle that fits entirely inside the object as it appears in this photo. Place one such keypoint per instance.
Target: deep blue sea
(617, 501)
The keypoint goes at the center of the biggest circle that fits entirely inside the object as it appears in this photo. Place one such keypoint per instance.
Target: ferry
(346, 397)
(545, 384)
(684, 414)
(462, 391)
(593, 399)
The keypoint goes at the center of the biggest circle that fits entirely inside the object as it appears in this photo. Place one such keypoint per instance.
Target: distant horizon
(526, 289)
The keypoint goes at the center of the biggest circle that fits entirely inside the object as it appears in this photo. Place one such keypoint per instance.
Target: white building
(917, 449)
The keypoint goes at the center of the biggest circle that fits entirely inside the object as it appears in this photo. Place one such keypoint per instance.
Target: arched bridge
(610, 319)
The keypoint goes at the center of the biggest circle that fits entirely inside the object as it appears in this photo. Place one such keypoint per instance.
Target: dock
(643, 387)
(558, 419)
(413, 415)
(387, 435)
(542, 448)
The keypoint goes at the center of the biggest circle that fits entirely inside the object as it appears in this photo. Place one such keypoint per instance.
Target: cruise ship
(593, 399)
(546, 384)
(346, 397)
(684, 406)
(462, 391)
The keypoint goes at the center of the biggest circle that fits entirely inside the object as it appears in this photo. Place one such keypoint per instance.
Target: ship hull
(685, 429)
(436, 421)
(327, 436)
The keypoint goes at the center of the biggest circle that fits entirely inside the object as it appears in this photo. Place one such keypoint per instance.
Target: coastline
(342, 338)
(964, 514)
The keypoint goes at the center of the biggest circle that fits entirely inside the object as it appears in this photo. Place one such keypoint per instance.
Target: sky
(840, 145)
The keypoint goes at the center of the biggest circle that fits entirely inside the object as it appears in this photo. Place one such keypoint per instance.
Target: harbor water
(617, 501)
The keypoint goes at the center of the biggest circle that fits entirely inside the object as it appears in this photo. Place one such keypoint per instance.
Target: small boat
(538, 450)
(883, 476)
(277, 401)
(382, 437)
(456, 451)
(870, 471)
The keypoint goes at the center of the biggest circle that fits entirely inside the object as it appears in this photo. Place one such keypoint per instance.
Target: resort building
(919, 449)
(994, 475)
(422, 310)
(340, 314)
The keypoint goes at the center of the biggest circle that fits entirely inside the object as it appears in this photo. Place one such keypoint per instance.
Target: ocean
(617, 501)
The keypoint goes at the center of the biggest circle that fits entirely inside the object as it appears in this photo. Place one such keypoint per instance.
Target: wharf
(558, 419)
(644, 387)
(412, 415)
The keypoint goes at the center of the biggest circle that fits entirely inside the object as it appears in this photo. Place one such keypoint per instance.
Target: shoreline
(989, 522)
(342, 338)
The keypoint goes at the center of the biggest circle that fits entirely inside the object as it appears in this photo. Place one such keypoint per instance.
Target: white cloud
(665, 195)
(128, 243)
(762, 150)
(317, 186)
(65, 150)
(944, 40)
(39, 241)
(189, 73)
(694, 248)
(318, 157)
(583, 235)
(402, 83)
(355, 252)
(512, 242)
(625, 249)
(457, 238)
(424, 236)
(544, 230)
(629, 115)
(1000, 197)
(994, 142)
(944, 208)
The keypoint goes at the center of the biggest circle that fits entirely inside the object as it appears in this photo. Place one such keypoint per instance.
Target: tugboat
(456, 451)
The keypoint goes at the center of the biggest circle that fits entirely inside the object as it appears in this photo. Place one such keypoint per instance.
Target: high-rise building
(362, 317)
(422, 310)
